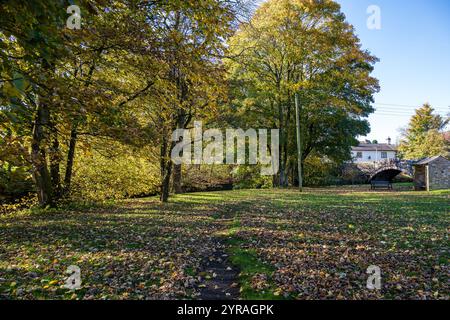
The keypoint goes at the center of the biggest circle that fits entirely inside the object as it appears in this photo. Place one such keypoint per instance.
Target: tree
(424, 135)
(56, 81)
(134, 72)
(304, 47)
(192, 37)
(31, 43)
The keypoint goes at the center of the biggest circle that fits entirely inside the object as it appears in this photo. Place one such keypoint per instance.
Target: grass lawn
(315, 245)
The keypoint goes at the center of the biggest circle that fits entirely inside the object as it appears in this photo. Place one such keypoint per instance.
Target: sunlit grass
(286, 244)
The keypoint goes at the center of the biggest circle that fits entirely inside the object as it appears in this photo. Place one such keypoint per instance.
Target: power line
(400, 114)
(405, 105)
(443, 114)
(406, 108)
(405, 113)
(402, 110)
(391, 115)
(410, 111)
(410, 106)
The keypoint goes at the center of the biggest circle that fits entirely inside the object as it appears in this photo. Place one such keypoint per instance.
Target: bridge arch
(384, 174)
(385, 170)
(389, 170)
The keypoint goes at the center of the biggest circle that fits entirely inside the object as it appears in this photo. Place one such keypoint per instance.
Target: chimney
(389, 140)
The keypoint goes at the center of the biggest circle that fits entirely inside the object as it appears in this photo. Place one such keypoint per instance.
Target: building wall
(439, 172)
(371, 156)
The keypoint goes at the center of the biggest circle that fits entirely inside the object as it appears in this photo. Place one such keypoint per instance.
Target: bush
(15, 181)
(352, 174)
(249, 177)
(320, 172)
(123, 175)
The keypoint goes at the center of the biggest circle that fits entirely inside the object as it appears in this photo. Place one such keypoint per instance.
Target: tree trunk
(74, 135)
(285, 162)
(41, 174)
(55, 160)
(286, 144)
(177, 173)
(70, 158)
(282, 164)
(177, 176)
(299, 143)
(166, 170)
(165, 186)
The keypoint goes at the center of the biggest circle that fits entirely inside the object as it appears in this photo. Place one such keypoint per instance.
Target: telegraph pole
(299, 143)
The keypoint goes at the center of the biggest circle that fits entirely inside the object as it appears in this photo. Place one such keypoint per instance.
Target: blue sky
(413, 46)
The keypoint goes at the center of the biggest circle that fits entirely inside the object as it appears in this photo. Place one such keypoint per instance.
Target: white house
(374, 152)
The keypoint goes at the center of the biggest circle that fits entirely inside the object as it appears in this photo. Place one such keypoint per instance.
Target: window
(359, 155)
(384, 155)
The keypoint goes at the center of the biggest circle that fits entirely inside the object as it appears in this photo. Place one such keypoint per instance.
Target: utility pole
(299, 142)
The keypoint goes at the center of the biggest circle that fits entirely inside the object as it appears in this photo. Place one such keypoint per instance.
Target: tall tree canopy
(306, 47)
(134, 72)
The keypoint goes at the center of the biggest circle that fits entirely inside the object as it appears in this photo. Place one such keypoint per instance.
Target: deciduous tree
(307, 47)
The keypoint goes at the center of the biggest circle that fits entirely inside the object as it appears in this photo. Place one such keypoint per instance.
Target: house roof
(447, 136)
(375, 147)
(428, 160)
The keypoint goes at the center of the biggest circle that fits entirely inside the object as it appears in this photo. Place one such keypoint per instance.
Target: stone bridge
(388, 170)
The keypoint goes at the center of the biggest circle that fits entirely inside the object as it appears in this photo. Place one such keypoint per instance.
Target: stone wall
(439, 171)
